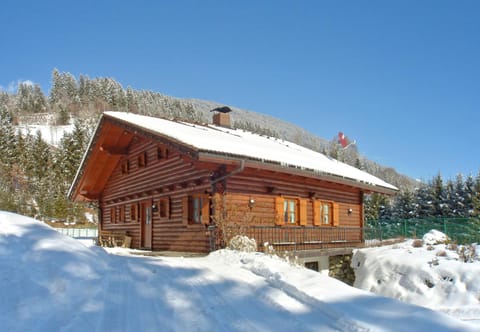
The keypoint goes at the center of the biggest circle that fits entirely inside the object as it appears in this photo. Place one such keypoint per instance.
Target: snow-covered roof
(243, 144)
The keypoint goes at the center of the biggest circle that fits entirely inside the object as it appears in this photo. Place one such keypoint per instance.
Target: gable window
(142, 159)
(162, 152)
(125, 167)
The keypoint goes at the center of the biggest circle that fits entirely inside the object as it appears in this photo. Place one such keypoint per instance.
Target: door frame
(146, 221)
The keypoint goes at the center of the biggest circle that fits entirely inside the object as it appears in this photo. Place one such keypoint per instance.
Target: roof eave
(274, 166)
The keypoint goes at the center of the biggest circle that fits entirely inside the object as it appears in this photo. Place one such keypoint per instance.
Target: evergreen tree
(469, 194)
(459, 208)
(438, 196)
(7, 137)
(405, 205)
(424, 197)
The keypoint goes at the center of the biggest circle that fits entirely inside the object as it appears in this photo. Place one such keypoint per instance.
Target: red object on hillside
(342, 139)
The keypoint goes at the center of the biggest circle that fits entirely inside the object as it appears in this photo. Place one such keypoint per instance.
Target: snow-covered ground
(430, 274)
(50, 282)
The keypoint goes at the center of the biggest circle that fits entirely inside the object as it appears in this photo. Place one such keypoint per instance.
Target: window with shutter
(323, 213)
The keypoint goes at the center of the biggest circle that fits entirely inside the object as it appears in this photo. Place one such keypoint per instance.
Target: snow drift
(425, 272)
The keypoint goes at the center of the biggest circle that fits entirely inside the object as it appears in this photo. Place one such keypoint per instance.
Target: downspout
(212, 228)
(235, 171)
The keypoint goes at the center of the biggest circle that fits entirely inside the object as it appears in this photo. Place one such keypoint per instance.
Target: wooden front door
(146, 219)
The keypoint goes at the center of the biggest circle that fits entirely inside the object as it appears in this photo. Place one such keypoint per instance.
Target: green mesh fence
(459, 230)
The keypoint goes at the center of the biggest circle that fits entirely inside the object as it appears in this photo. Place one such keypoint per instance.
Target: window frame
(328, 214)
(290, 211)
(121, 217)
(126, 167)
(162, 152)
(319, 213)
(113, 214)
(134, 208)
(164, 208)
(198, 209)
(142, 160)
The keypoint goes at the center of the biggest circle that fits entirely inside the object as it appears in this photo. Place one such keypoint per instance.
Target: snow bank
(431, 276)
(434, 237)
(45, 275)
(50, 282)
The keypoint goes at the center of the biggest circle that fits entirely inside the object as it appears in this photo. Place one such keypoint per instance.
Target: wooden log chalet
(187, 187)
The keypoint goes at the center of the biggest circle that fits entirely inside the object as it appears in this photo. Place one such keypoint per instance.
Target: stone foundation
(340, 269)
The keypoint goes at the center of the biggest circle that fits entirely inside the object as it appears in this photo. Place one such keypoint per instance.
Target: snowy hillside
(50, 134)
(429, 273)
(53, 283)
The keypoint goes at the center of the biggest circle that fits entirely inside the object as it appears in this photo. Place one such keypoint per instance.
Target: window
(162, 152)
(164, 207)
(290, 211)
(199, 209)
(134, 212)
(122, 213)
(312, 266)
(326, 213)
(142, 159)
(125, 167)
(113, 214)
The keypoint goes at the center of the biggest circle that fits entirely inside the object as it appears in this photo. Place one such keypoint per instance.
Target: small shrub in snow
(285, 255)
(467, 254)
(417, 243)
(268, 249)
(242, 243)
(434, 237)
(452, 246)
(430, 247)
(441, 253)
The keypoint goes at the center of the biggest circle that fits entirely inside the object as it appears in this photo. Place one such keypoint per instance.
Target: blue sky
(400, 77)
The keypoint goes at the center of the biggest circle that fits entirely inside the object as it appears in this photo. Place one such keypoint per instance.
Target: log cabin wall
(160, 175)
(264, 186)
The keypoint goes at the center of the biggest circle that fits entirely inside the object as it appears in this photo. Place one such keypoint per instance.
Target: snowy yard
(432, 274)
(50, 282)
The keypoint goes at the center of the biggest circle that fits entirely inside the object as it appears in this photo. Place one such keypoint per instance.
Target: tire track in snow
(339, 321)
(275, 317)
